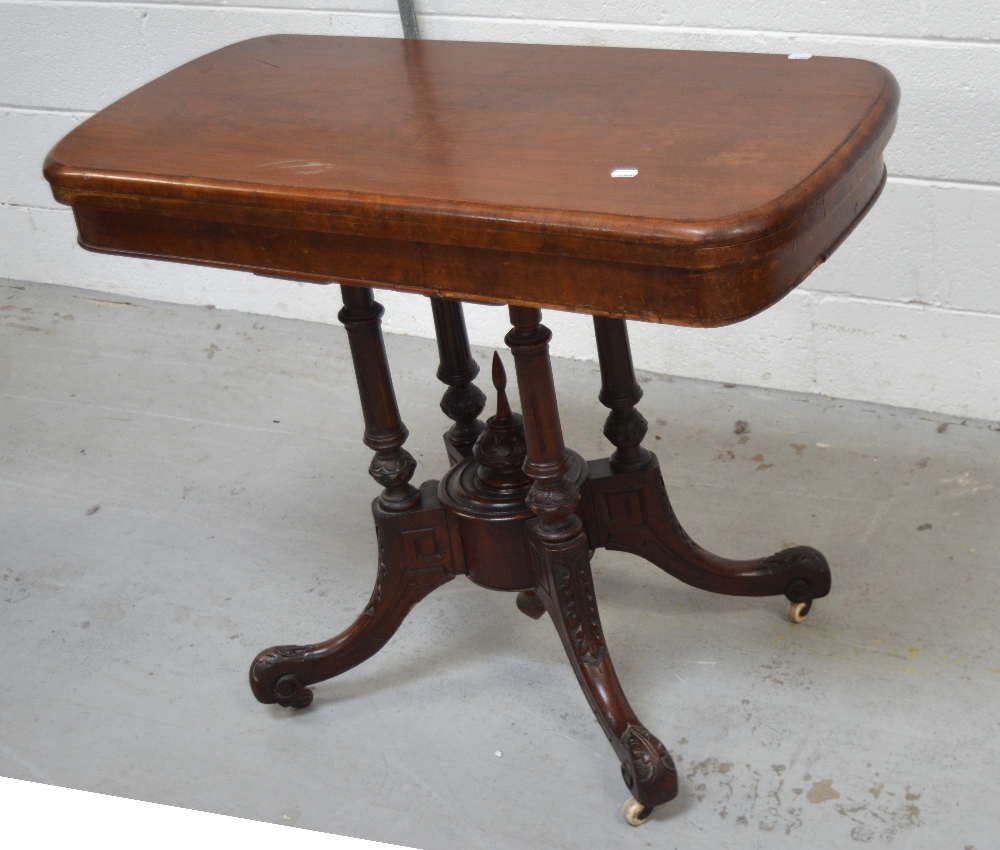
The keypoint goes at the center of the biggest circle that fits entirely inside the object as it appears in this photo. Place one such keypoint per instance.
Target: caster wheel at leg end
(798, 611)
(635, 813)
(800, 594)
(289, 692)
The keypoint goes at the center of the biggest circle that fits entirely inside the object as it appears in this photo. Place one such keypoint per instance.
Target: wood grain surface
(482, 171)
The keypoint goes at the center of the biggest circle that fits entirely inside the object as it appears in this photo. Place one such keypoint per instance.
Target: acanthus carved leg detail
(568, 594)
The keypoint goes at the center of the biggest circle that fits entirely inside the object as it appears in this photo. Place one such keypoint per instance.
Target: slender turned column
(463, 401)
(625, 426)
(552, 496)
(392, 466)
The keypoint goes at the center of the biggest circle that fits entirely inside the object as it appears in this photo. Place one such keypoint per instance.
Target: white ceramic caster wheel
(635, 813)
(797, 611)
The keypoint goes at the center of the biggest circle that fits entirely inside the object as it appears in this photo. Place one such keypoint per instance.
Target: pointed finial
(500, 383)
(500, 450)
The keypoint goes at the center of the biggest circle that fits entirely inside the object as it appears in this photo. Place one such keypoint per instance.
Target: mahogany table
(689, 188)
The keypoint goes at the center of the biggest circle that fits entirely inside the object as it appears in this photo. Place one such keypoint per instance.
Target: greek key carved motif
(421, 550)
(626, 510)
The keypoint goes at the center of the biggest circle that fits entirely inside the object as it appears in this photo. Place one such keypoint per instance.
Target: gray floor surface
(181, 487)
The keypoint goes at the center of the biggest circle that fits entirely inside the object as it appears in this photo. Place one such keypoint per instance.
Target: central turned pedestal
(520, 512)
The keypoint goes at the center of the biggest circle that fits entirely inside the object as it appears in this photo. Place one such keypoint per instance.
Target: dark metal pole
(409, 19)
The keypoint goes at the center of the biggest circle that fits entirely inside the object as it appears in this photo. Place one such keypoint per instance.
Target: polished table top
(484, 171)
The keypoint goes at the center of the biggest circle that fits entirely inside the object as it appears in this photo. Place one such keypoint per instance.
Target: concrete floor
(181, 487)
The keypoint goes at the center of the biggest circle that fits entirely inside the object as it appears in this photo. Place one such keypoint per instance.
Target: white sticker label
(800, 56)
(625, 172)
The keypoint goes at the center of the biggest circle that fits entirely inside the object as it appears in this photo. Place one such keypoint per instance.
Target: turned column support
(552, 497)
(463, 401)
(625, 426)
(385, 433)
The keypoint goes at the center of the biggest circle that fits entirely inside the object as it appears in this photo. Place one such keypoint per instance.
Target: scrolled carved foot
(812, 578)
(272, 679)
(810, 570)
(647, 768)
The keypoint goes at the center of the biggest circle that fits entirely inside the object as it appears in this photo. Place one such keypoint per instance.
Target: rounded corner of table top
(412, 165)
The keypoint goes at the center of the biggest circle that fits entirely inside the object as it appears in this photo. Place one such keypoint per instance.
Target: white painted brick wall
(907, 312)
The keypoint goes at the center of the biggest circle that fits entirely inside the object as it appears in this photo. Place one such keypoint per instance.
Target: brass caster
(797, 611)
(635, 813)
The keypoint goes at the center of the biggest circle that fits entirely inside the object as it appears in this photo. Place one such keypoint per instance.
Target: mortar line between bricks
(708, 30)
(61, 110)
(590, 25)
(944, 183)
(152, 4)
(921, 306)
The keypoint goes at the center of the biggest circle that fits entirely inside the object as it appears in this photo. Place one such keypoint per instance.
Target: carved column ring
(462, 403)
(383, 442)
(621, 399)
(351, 314)
(545, 472)
(553, 499)
(529, 343)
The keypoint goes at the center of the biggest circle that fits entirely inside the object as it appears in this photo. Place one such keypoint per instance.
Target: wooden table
(688, 188)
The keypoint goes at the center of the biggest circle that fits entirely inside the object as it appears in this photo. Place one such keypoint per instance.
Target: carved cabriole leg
(414, 550)
(463, 401)
(630, 512)
(626, 505)
(413, 559)
(565, 584)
